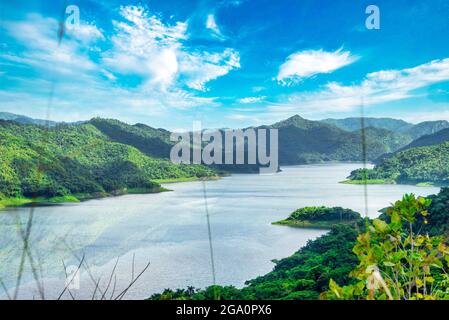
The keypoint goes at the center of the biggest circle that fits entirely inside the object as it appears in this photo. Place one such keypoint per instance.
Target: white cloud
(305, 64)
(247, 100)
(145, 46)
(89, 83)
(376, 88)
(211, 24)
(198, 68)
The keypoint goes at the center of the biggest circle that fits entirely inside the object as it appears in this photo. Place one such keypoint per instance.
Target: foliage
(306, 141)
(396, 260)
(415, 165)
(77, 159)
(324, 213)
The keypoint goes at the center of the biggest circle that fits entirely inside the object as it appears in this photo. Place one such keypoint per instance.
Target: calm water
(170, 230)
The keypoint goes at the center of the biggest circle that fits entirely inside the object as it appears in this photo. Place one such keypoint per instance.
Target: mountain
(425, 128)
(150, 141)
(306, 141)
(414, 131)
(67, 160)
(430, 139)
(353, 124)
(426, 164)
(25, 120)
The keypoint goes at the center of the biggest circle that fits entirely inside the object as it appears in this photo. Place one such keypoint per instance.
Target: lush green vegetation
(397, 260)
(412, 131)
(305, 141)
(355, 123)
(76, 160)
(320, 217)
(429, 164)
(308, 272)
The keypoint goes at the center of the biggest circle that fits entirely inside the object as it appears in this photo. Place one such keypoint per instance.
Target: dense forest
(428, 164)
(333, 258)
(320, 217)
(75, 160)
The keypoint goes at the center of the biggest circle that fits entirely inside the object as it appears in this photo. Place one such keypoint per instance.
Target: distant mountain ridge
(414, 131)
(301, 140)
(355, 123)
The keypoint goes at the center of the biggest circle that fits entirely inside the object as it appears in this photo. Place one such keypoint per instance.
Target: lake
(170, 230)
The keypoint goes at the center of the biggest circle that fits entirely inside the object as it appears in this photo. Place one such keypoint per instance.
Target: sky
(232, 63)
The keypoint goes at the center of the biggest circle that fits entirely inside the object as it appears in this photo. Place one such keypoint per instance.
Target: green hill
(77, 160)
(419, 165)
(425, 128)
(306, 141)
(354, 124)
(430, 139)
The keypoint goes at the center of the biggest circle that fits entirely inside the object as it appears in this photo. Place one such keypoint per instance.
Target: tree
(396, 261)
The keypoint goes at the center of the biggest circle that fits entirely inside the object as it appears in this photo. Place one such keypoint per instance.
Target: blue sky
(227, 63)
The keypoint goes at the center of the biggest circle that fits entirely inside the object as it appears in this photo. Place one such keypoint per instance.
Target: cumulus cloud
(144, 45)
(88, 67)
(305, 64)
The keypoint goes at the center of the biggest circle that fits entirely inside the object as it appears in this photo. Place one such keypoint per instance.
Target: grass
(21, 201)
(307, 224)
(185, 179)
(425, 184)
(369, 181)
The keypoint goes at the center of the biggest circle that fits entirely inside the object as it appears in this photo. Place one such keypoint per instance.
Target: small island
(320, 217)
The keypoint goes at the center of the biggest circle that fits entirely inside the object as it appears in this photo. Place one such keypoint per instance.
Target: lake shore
(45, 201)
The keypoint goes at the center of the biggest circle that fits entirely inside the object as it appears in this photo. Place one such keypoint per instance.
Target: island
(320, 217)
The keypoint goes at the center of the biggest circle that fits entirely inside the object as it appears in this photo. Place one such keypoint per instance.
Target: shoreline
(81, 197)
(422, 184)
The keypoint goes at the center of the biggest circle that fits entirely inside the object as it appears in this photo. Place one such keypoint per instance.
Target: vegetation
(305, 141)
(71, 160)
(320, 217)
(429, 164)
(397, 261)
(397, 126)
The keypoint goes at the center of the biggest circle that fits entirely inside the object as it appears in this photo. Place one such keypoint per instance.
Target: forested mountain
(152, 142)
(413, 131)
(25, 120)
(428, 164)
(425, 128)
(300, 140)
(428, 140)
(354, 124)
(67, 159)
(306, 141)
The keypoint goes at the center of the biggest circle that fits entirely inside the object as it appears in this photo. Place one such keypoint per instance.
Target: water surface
(170, 230)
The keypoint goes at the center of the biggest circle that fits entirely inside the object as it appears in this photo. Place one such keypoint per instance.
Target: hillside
(425, 128)
(77, 160)
(306, 141)
(425, 165)
(354, 124)
(430, 139)
(150, 141)
(412, 131)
